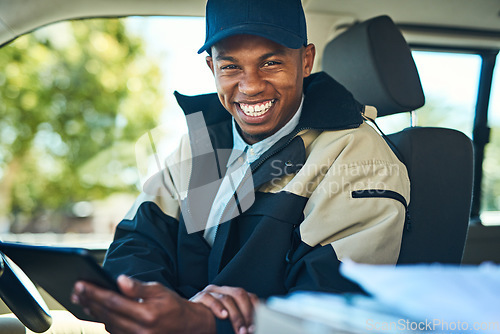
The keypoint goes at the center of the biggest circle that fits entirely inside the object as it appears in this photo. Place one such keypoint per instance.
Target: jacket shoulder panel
(339, 163)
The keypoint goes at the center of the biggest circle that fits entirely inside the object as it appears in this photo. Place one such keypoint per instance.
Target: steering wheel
(21, 296)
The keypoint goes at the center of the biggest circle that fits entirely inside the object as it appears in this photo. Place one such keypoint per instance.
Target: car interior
(388, 79)
(370, 47)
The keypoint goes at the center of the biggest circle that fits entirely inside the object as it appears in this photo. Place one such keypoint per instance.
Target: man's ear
(308, 59)
(210, 63)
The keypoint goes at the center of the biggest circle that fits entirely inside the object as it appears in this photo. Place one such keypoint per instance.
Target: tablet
(56, 269)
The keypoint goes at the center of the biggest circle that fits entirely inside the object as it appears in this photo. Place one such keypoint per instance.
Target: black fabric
(145, 251)
(316, 271)
(328, 105)
(209, 104)
(276, 206)
(374, 62)
(282, 162)
(192, 266)
(439, 163)
(257, 244)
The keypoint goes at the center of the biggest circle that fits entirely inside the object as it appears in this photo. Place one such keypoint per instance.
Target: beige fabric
(366, 230)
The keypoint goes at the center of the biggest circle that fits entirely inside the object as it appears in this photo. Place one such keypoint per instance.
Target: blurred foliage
(490, 197)
(67, 93)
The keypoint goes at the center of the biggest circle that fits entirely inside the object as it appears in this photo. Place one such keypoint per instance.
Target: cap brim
(273, 33)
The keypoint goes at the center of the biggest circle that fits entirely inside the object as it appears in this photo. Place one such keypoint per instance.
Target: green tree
(68, 92)
(490, 200)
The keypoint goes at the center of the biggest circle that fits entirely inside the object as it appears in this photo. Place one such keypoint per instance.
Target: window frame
(481, 129)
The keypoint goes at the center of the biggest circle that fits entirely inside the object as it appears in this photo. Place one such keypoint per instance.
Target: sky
(174, 41)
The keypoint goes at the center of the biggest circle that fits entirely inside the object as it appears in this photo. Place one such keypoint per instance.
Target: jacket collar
(327, 105)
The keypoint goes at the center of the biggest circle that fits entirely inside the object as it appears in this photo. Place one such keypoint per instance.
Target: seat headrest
(373, 61)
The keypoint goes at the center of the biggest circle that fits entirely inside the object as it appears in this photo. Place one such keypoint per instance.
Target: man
(327, 187)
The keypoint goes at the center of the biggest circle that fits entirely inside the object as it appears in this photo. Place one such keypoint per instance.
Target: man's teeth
(257, 109)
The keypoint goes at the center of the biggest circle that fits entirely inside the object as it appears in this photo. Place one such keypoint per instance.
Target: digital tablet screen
(56, 269)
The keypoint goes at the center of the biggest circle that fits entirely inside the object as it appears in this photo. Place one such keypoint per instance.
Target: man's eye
(228, 67)
(271, 63)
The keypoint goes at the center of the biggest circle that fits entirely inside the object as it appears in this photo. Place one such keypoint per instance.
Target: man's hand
(143, 308)
(235, 303)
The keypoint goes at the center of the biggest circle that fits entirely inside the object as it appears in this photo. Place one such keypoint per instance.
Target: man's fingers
(254, 299)
(238, 303)
(95, 298)
(138, 290)
(237, 318)
(115, 322)
(146, 308)
(214, 304)
(243, 300)
(220, 303)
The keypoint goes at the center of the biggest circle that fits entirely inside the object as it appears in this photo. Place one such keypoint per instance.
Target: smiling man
(260, 82)
(326, 187)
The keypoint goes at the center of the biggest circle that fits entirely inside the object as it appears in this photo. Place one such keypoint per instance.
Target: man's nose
(252, 83)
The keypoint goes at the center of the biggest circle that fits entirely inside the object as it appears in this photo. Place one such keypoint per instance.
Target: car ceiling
(417, 18)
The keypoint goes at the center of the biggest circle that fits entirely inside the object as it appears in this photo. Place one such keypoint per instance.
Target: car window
(75, 97)
(450, 82)
(490, 204)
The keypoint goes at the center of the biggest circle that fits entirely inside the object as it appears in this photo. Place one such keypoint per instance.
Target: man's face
(259, 82)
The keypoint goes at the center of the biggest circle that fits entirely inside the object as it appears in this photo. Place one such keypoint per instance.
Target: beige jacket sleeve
(341, 164)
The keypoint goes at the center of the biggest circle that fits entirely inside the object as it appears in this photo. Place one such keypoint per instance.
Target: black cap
(281, 21)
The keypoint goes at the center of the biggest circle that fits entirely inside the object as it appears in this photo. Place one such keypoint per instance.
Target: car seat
(374, 62)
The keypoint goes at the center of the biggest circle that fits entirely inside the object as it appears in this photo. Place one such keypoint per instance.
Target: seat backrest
(374, 62)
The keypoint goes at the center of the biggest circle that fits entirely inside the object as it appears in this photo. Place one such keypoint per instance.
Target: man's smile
(256, 109)
(259, 82)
